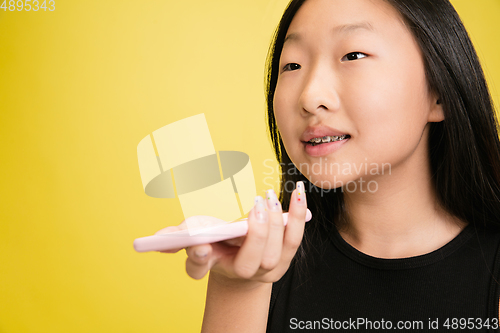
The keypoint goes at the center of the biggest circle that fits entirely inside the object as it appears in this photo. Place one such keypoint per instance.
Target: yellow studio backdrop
(80, 86)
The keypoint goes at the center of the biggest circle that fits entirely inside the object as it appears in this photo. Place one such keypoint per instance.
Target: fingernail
(301, 195)
(272, 200)
(260, 211)
(200, 253)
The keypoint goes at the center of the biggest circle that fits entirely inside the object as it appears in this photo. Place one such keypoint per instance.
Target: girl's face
(351, 67)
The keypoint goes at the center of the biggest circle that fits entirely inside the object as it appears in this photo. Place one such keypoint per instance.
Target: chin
(328, 182)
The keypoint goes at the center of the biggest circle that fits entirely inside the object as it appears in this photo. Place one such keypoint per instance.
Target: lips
(319, 132)
(323, 149)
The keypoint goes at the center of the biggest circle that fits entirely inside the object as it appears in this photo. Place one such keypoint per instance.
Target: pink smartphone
(182, 238)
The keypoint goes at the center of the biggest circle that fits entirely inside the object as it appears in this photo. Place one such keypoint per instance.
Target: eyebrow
(343, 28)
(347, 28)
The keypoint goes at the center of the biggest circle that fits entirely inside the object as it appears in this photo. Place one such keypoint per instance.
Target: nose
(319, 91)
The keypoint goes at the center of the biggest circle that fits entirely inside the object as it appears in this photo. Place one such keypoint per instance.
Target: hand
(264, 254)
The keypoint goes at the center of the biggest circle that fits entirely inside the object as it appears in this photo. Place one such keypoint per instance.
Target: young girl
(379, 112)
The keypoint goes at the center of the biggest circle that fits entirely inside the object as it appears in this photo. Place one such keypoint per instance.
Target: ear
(436, 113)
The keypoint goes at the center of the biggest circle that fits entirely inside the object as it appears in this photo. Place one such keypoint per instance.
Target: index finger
(294, 230)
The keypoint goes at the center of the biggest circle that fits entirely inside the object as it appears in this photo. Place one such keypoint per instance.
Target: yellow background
(79, 88)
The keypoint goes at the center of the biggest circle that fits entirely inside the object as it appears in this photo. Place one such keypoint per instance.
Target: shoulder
(488, 238)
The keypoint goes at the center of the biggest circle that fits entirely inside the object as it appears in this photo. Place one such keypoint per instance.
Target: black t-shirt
(342, 289)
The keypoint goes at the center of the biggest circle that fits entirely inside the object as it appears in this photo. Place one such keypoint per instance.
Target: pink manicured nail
(272, 200)
(260, 211)
(301, 195)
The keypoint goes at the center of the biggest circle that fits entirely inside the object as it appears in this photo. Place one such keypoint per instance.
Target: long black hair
(464, 149)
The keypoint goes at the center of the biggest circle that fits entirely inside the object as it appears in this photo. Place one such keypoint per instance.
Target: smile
(326, 139)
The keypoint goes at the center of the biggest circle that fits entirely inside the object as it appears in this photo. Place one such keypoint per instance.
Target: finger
(294, 230)
(234, 241)
(198, 262)
(249, 257)
(272, 251)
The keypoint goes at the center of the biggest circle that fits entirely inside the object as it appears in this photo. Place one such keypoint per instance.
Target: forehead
(345, 17)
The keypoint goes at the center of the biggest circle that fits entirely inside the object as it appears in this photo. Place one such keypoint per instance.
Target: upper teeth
(328, 139)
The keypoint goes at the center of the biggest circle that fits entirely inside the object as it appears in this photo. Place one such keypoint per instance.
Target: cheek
(391, 112)
(279, 113)
(283, 105)
(278, 105)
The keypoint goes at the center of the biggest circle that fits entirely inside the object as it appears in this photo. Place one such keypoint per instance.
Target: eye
(353, 56)
(291, 67)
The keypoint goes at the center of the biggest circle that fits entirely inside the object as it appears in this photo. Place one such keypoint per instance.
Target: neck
(402, 218)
